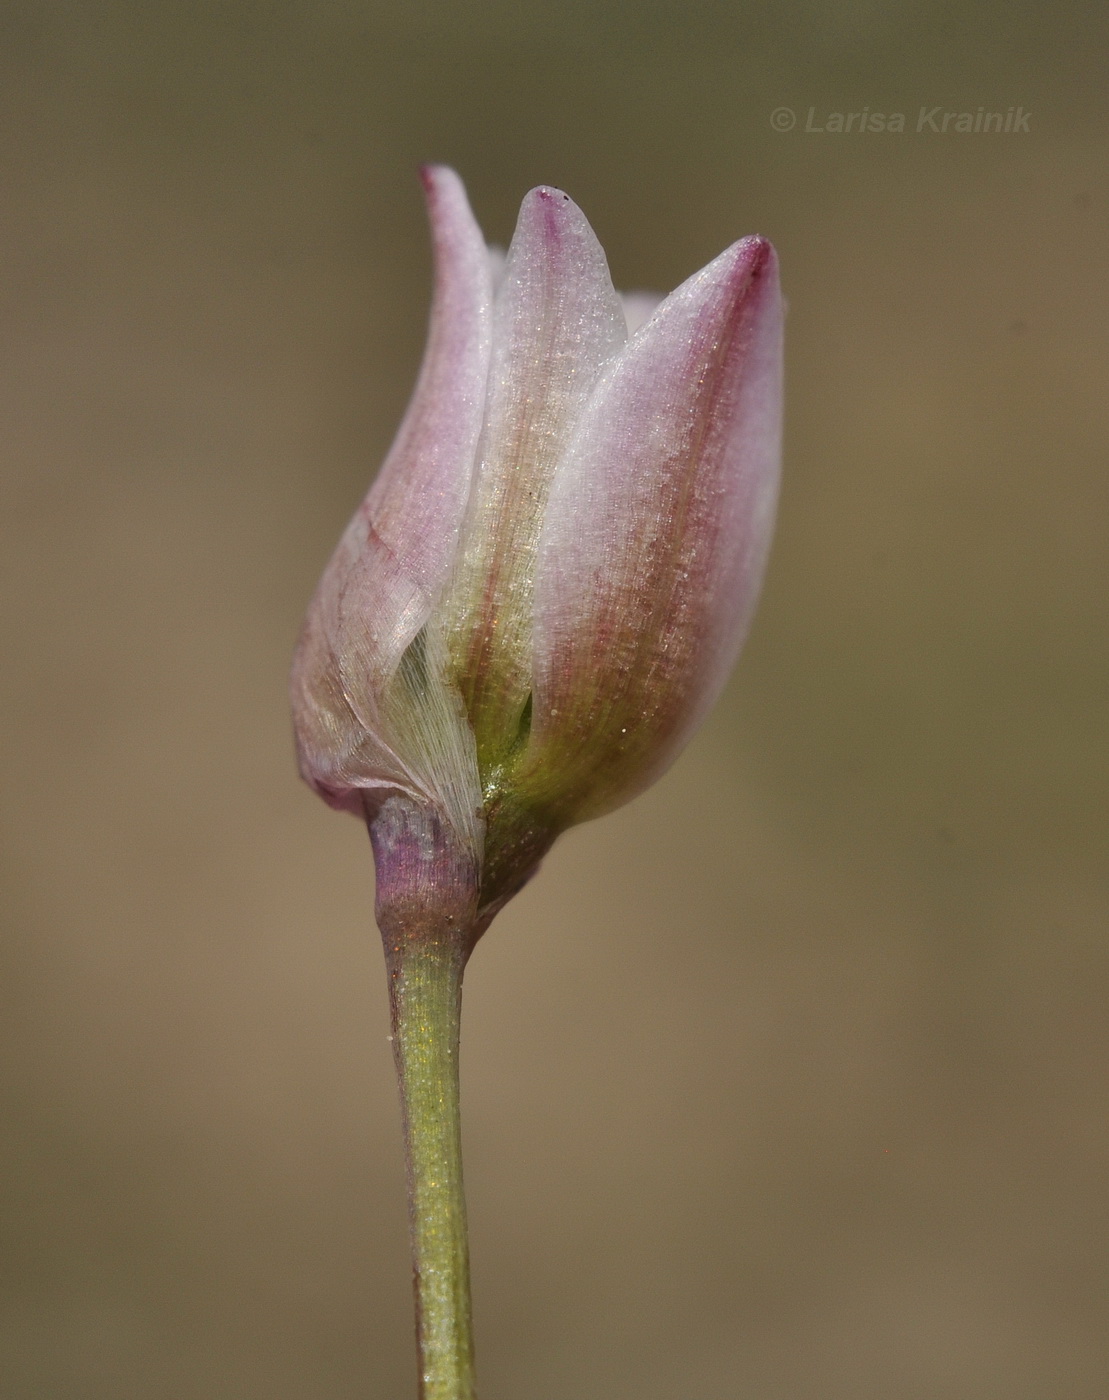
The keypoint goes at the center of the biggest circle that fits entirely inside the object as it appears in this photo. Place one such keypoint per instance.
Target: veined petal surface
(557, 322)
(655, 538)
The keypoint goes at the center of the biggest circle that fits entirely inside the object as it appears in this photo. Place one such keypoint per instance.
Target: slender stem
(425, 984)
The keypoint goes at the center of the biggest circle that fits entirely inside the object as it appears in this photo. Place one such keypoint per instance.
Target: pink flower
(548, 583)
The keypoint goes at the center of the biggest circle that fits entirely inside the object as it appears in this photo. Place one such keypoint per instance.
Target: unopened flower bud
(548, 583)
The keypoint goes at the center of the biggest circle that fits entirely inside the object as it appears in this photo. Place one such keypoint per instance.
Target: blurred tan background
(788, 1082)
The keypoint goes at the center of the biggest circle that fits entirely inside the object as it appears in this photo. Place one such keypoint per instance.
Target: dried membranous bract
(547, 585)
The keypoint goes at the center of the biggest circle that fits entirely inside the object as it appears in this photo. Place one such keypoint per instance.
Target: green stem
(425, 984)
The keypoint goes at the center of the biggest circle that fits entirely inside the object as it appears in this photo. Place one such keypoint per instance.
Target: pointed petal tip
(761, 257)
(742, 282)
(547, 194)
(552, 209)
(433, 174)
(757, 246)
(454, 230)
(443, 189)
(747, 261)
(552, 230)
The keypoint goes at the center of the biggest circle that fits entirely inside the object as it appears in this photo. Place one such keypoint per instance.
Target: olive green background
(787, 1082)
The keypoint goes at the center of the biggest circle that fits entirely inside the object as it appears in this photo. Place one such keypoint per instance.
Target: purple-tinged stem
(425, 909)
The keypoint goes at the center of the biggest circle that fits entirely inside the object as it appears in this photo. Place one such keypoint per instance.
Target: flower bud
(547, 585)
